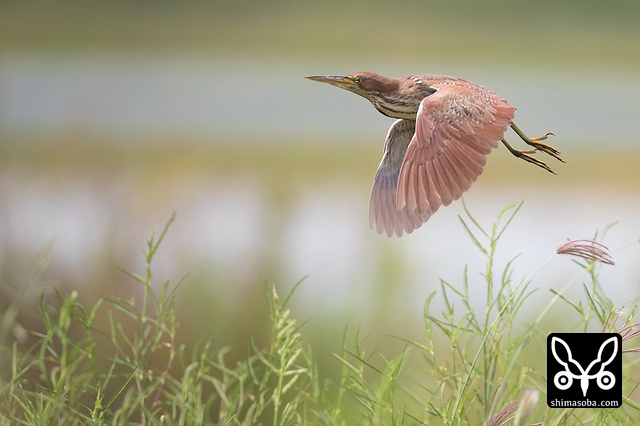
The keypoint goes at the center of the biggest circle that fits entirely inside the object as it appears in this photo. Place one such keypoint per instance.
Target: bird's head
(367, 84)
(388, 95)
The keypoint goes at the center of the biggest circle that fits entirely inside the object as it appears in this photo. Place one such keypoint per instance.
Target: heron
(438, 146)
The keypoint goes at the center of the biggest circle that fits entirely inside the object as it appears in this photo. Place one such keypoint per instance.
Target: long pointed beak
(334, 80)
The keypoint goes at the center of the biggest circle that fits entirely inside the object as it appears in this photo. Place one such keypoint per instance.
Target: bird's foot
(543, 137)
(527, 156)
(538, 144)
(543, 147)
(533, 160)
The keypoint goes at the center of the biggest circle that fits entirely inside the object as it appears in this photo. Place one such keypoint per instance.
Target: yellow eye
(357, 80)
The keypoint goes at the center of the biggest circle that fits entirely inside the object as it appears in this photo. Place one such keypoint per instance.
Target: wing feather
(433, 192)
(383, 212)
(447, 177)
(431, 162)
(456, 127)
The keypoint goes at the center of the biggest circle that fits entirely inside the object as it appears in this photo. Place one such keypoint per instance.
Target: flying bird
(438, 146)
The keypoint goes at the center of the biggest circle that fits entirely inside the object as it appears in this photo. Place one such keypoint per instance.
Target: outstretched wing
(383, 212)
(456, 127)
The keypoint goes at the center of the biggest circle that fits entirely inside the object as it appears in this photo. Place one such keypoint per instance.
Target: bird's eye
(357, 80)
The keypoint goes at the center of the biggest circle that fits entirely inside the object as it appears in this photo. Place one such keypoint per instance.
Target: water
(244, 238)
(257, 97)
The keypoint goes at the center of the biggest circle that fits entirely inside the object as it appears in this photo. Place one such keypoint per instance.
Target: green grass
(118, 361)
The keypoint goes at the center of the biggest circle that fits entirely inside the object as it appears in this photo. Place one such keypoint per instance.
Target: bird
(438, 146)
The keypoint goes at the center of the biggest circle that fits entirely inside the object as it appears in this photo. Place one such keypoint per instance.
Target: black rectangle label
(584, 370)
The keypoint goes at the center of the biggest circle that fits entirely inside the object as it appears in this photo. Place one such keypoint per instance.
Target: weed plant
(473, 366)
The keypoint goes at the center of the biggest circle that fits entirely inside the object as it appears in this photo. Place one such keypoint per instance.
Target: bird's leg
(525, 155)
(537, 144)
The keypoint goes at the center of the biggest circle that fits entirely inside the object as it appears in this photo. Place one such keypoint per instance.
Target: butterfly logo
(574, 370)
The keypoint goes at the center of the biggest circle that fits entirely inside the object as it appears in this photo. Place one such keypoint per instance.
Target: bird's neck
(404, 101)
(396, 107)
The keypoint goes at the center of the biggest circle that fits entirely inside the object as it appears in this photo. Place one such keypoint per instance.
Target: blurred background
(115, 114)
